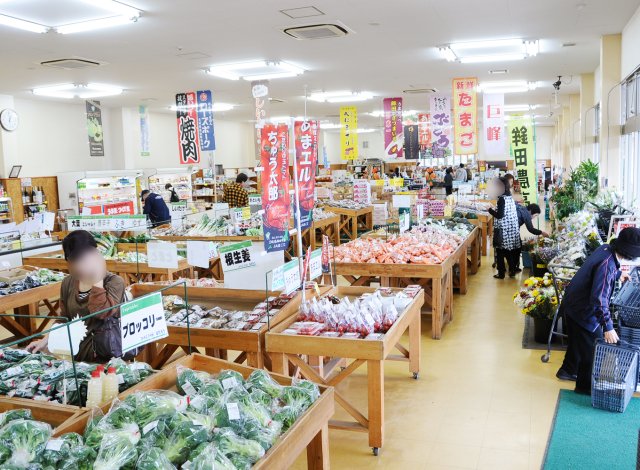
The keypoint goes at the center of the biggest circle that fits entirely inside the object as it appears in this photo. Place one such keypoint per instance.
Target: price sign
(291, 275)
(277, 278)
(162, 255)
(199, 253)
(119, 208)
(379, 182)
(398, 182)
(142, 321)
(103, 223)
(315, 265)
(404, 219)
(240, 214)
(236, 256)
(255, 200)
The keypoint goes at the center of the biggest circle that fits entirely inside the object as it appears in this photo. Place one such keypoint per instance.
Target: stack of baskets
(627, 305)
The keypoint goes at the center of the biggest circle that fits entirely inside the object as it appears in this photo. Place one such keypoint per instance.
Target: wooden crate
(250, 344)
(325, 354)
(55, 414)
(310, 431)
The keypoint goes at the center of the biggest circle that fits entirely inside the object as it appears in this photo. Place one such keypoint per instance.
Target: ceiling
(392, 48)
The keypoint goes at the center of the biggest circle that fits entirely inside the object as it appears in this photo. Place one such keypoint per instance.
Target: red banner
(306, 136)
(119, 208)
(424, 130)
(393, 131)
(274, 158)
(187, 119)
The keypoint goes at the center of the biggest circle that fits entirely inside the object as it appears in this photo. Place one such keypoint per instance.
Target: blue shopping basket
(614, 376)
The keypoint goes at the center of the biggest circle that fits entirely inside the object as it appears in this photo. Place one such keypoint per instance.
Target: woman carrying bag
(506, 231)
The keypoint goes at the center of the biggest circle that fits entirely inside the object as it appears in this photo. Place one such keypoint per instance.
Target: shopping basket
(627, 303)
(614, 376)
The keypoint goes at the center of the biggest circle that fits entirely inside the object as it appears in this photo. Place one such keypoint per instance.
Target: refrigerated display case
(108, 194)
(179, 178)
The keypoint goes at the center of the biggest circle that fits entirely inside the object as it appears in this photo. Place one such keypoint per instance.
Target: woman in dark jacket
(448, 181)
(506, 231)
(89, 289)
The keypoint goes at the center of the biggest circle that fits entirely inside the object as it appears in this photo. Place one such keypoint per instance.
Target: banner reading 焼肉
(465, 116)
(187, 120)
(306, 139)
(349, 133)
(523, 151)
(393, 131)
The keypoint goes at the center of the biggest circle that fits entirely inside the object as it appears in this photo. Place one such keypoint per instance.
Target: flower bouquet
(537, 298)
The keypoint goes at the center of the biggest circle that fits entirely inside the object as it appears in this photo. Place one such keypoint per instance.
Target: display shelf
(54, 414)
(101, 195)
(181, 182)
(312, 237)
(14, 187)
(352, 220)
(329, 361)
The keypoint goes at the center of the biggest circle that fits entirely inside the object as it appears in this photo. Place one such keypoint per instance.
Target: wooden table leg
(462, 288)
(415, 345)
(375, 374)
(255, 360)
(485, 240)
(318, 450)
(354, 227)
(279, 363)
(448, 303)
(475, 256)
(436, 308)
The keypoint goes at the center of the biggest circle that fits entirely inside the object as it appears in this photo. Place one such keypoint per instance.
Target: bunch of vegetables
(581, 187)
(37, 278)
(43, 377)
(222, 226)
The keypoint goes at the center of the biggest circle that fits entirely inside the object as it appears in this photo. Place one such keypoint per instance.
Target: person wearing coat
(506, 231)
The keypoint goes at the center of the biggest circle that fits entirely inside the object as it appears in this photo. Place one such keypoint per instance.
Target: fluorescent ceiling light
(532, 48)
(514, 108)
(216, 107)
(502, 50)
(115, 7)
(22, 24)
(255, 70)
(365, 131)
(70, 90)
(517, 86)
(448, 54)
(478, 59)
(92, 25)
(406, 112)
(340, 96)
(492, 44)
(329, 125)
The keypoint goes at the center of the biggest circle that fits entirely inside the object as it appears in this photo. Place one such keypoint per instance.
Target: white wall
(374, 142)
(630, 50)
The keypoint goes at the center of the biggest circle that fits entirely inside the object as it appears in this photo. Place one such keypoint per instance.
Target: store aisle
(481, 401)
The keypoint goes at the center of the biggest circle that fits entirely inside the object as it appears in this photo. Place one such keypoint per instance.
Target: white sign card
(236, 256)
(103, 223)
(315, 264)
(291, 276)
(162, 255)
(200, 253)
(142, 321)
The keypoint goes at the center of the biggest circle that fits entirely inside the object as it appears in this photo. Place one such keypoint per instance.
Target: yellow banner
(523, 151)
(349, 133)
(398, 182)
(465, 116)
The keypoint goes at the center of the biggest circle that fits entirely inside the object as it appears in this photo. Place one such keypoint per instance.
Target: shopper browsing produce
(155, 208)
(586, 306)
(506, 233)
(234, 193)
(448, 181)
(525, 217)
(89, 289)
(461, 174)
(174, 195)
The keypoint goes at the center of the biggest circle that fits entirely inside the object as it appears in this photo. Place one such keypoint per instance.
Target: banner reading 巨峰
(440, 112)
(187, 120)
(349, 133)
(306, 141)
(94, 128)
(465, 116)
(493, 123)
(393, 131)
(523, 151)
(276, 202)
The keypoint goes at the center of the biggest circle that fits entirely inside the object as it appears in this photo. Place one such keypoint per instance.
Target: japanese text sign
(411, 142)
(291, 275)
(199, 253)
(523, 151)
(187, 120)
(315, 265)
(236, 256)
(465, 116)
(118, 208)
(162, 255)
(349, 133)
(101, 223)
(276, 200)
(493, 124)
(424, 131)
(440, 112)
(205, 121)
(142, 321)
(393, 132)
(306, 138)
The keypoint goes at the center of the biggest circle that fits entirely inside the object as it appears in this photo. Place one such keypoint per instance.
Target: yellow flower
(535, 293)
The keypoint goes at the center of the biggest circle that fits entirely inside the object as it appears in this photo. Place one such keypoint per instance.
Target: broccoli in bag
(117, 450)
(209, 457)
(25, 440)
(185, 437)
(154, 459)
(261, 380)
(236, 448)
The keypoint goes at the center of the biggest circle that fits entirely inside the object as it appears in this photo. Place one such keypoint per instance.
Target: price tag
(236, 256)
(142, 321)
(255, 200)
(233, 411)
(54, 445)
(162, 255)
(379, 182)
(315, 264)
(188, 388)
(277, 278)
(229, 382)
(405, 221)
(200, 253)
(291, 276)
(149, 427)
(119, 208)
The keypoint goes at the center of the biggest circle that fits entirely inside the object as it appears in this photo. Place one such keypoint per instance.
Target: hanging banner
(411, 142)
(260, 95)
(493, 124)
(306, 138)
(276, 201)
(523, 151)
(205, 121)
(465, 115)
(143, 117)
(393, 134)
(440, 112)
(424, 131)
(187, 119)
(94, 128)
(349, 133)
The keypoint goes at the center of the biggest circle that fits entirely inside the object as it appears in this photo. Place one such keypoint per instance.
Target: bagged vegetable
(57, 450)
(24, 440)
(236, 448)
(261, 380)
(12, 415)
(117, 450)
(154, 459)
(185, 437)
(210, 457)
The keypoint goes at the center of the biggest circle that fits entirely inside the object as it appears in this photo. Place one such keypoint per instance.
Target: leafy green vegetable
(230, 379)
(208, 457)
(117, 450)
(261, 380)
(25, 440)
(52, 455)
(78, 458)
(190, 380)
(230, 444)
(186, 437)
(154, 459)
(12, 415)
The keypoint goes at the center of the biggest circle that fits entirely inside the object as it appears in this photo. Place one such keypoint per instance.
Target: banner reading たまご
(465, 116)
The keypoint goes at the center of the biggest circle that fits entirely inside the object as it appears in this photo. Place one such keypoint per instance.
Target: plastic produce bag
(185, 437)
(238, 449)
(117, 450)
(209, 457)
(154, 459)
(261, 380)
(22, 441)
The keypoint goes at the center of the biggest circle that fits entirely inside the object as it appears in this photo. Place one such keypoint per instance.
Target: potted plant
(538, 300)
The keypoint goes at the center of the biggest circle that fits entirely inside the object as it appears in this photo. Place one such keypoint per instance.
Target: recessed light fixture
(216, 107)
(255, 70)
(516, 86)
(22, 24)
(71, 90)
(501, 50)
(499, 71)
(329, 125)
(405, 112)
(340, 96)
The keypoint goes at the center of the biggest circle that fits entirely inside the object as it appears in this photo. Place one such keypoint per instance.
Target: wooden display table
(310, 431)
(216, 342)
(28, 303)
(55, 414)
(353, 219)
(312, 237)
(435, 279)
(471, 246)
(326, 354)
(485, 222)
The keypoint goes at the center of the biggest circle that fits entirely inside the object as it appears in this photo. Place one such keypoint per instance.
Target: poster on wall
(495, 142)
(187, 119)
(260, 95)
(205, 121)
(523, 151)
(465, 116)
(349, 133)
(276, 201)
(424, 131)
(411, 142)
(440, 112)
(94, 128)
(306, 141)
(393, 133)
(143, 118)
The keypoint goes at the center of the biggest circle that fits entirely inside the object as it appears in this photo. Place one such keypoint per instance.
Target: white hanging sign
(162, 255)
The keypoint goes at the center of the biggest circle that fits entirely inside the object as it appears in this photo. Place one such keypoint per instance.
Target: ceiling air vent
(317, 31)
(419, 91)
(70, 64)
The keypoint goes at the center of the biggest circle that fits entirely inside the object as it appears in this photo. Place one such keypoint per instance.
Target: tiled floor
(482, 402)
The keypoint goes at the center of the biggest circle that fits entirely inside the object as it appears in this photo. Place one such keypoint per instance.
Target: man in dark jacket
(585, 304)
(155, 208)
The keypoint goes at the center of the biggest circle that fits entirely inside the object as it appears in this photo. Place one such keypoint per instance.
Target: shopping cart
(561, 276)
(614, 377)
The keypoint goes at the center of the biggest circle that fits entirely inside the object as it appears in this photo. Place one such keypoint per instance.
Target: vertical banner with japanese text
(187, 120)
(393, 133)
(276, 201)
(523, 151)
(493, 123)
(260, 95)
(440, 111)
(465, 116)
(205, 121)
(143, 117)
(411, 142)
(349, 133)
(94, 128)
(424, 131)
(306, 139)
